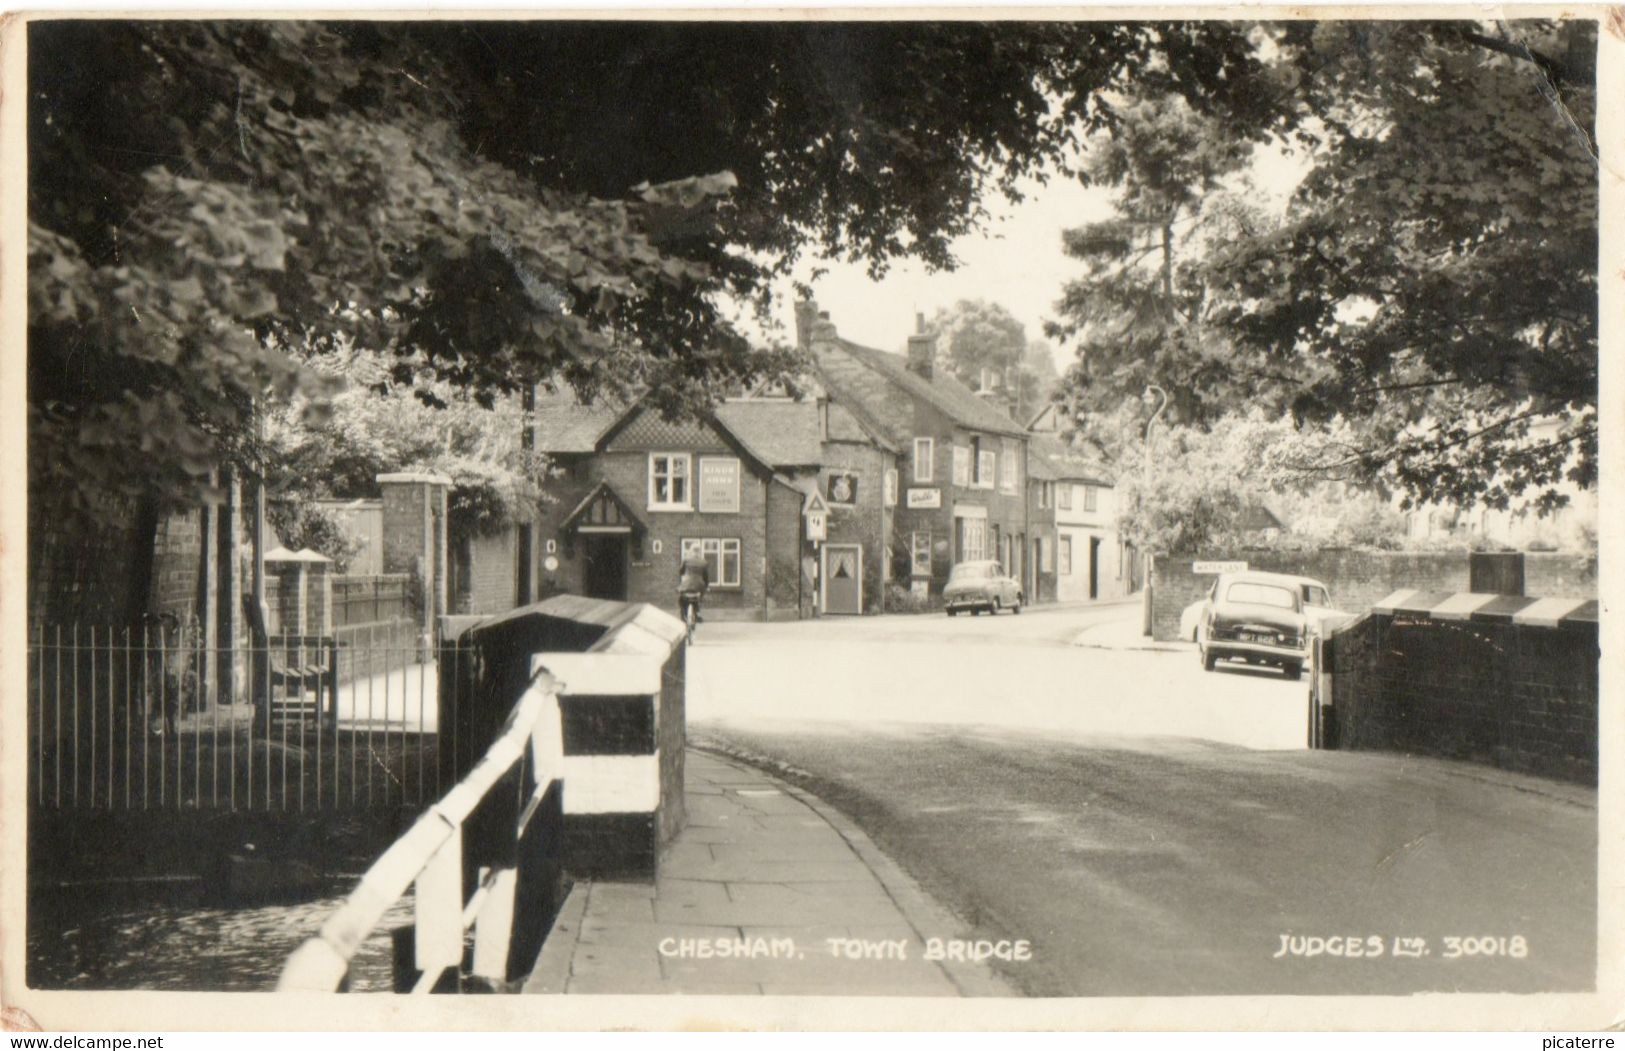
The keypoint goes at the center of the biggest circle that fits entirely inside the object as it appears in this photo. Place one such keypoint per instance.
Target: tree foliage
(1436, 275)
(498, 203)
(377, 424)
(1431, 286)
(987, 345)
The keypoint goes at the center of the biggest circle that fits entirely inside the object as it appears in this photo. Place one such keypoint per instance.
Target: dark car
(981, 585)
(1259, 618)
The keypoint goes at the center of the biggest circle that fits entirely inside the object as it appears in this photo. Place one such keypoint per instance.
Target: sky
(1016, 261)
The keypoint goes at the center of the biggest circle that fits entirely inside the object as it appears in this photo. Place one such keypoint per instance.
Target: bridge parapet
(1506, 680)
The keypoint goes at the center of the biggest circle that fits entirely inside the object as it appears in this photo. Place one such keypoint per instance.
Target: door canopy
(603, 511)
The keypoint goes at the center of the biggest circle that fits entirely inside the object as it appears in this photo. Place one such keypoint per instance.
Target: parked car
(1260, 618)
(981, 585)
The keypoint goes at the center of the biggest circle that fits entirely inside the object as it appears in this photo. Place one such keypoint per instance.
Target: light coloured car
(1260, 618)
(979, 586)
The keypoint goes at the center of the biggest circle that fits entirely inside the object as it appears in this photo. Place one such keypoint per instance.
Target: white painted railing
(526, 757)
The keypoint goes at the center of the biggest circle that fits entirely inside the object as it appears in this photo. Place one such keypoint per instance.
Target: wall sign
(719, 484)
(654, 545)
(925, 498)
(552, 546)
(1218, 567)
(550, 564)
(842, 487)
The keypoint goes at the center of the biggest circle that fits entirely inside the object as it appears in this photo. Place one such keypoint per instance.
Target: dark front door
(606, 566)
(1094, 567)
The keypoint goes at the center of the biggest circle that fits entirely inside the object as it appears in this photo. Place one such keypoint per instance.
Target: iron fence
(153, 718)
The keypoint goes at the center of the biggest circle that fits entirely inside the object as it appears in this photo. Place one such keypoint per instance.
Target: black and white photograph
(878, 519)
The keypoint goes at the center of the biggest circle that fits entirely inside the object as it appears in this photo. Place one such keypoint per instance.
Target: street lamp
(1163, 404)
(1145, 484)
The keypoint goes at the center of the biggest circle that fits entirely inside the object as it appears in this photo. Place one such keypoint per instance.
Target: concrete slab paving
(765, 891)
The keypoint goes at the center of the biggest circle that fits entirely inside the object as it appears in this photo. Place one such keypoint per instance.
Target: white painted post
(493, 928)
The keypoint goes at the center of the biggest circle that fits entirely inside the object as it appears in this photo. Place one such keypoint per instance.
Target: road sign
(816, 512)
(1218, 567)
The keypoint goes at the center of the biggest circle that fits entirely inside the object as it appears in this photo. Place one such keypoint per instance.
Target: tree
(1435, 278)
(1137, 315)
(987, 346)
(1432, 283)
(376, 424)
(497, 204)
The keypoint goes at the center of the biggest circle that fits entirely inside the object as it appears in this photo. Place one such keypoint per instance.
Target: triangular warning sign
(814, 504)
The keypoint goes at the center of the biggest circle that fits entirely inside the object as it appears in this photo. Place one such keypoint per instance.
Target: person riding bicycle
(693, 581)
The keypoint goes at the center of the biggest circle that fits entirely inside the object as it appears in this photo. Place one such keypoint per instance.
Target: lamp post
(1145, 484)
(1163, 404)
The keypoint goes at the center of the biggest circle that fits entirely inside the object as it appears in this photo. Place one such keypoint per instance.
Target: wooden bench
(295, 677)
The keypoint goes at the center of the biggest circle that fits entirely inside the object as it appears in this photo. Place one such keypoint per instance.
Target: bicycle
(690, 609)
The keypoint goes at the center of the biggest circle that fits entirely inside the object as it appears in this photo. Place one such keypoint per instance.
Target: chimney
(806, 315)
(922, 349)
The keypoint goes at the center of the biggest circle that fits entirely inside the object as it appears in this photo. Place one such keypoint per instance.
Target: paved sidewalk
(1125, 632)
(749, 897)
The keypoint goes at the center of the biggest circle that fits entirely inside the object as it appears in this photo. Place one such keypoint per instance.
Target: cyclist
(693, 580)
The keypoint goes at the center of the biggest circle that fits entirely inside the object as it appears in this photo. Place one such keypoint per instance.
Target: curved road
(1151, 828)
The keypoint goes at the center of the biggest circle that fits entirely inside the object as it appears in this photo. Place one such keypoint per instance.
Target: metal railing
(152, 718)
(516, 786)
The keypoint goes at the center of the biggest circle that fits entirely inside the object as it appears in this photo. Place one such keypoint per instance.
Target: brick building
(1089, 559)
(962, 460)
(634, 491)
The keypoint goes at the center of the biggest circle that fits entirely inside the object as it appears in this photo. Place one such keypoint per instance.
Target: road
(1151, 828)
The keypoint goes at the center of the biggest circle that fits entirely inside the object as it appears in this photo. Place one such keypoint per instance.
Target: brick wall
(1357, 579)
(865, 521)
(652, 575)
(79, 572)
(1517, 697)
(788, 595)
(1550, 574)
(491, 573)
(177, 563)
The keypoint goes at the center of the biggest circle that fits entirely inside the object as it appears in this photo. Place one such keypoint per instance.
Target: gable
(645, 431)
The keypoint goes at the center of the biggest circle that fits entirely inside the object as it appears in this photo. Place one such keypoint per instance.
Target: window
(987, 465)
(891, 487)
(1063, 494)
(920, 554)
(668, 481)
(1046, 494)
(925, 449)
(1008, 474)
(1063, 556)
(1090, 501)
(1261, 595)
(972, 539)
(719, 484)
(721, 558)
(962, 466)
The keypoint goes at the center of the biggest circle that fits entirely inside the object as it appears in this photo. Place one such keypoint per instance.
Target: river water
(111, 942)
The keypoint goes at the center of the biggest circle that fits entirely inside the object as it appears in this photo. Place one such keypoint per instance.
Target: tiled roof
(564, 425)
(783, 433)
(1065, 462)
(787, 433)
(883, 385)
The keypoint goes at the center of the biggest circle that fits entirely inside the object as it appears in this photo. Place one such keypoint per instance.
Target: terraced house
(962, 460)
(635, 492)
